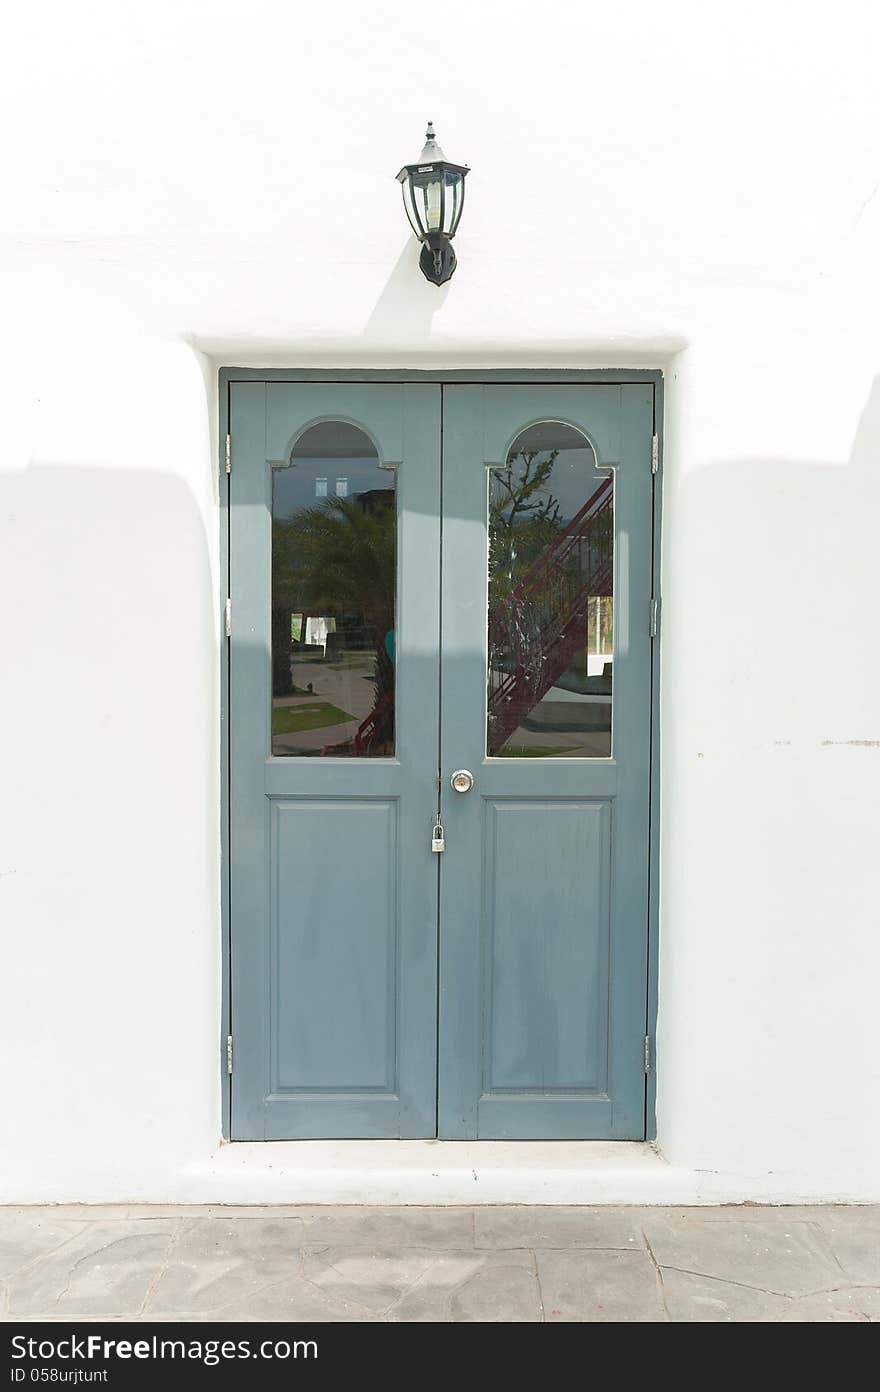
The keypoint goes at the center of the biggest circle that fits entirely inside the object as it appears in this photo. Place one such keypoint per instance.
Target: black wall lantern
(433, 195)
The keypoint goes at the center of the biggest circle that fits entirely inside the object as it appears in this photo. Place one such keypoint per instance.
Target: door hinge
(655, 453)
(229, 1053)
(655, 617)
(229, 453)
(647, 1054)
(227, 618)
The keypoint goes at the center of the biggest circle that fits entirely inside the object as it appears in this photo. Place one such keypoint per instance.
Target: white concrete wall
(207, 181)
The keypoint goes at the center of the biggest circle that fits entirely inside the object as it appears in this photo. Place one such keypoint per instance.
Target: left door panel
(333, 673)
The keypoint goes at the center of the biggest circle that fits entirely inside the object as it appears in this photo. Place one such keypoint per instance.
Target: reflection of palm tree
(339, 558)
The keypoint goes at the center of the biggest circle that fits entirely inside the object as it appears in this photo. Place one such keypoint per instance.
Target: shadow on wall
(112, 673)
(780, 592)
(109, 823)
(771, 797)
(405, 309)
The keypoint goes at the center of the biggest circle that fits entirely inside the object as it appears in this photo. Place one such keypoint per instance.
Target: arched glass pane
(334, 541)
(551, 605)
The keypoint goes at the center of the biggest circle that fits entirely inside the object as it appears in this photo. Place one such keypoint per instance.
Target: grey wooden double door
(429, 580)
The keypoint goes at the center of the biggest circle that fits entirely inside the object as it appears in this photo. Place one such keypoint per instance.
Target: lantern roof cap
(431, 154)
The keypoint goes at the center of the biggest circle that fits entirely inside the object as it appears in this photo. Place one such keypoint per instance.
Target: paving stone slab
(853, 1235)
(294, 1299)
(855, 1305)
(789, 1258)
(216, 1262)
(371, 1278)
(501, 1292)
(25, 1236)
(559, 1227)
(107, 1213)
(455, 1285)
(599, 1287)
(770, 1216)
(388, 1227)
(705, 1299)
(107, 1269)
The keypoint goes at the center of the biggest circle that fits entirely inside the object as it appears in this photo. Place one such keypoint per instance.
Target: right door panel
(546, 700)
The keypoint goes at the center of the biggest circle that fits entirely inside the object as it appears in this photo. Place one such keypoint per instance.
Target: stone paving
(440, 1264)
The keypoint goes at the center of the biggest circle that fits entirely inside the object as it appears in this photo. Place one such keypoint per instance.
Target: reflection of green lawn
(533, 751)
(287, 720)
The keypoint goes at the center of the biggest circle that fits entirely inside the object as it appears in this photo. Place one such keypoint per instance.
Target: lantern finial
(432, 150)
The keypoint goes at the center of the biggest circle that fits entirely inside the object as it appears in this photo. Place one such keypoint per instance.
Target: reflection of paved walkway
(557, 716)
(565, 742)
(346, 684)
(341, 683)
(313, 741)
(589, 745)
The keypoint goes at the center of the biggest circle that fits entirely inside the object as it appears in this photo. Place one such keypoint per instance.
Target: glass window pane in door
(551, 600)
(334, 543)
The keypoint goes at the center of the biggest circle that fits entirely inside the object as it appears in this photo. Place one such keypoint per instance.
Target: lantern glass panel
(426, 190)
(411, 208)
(453, 199)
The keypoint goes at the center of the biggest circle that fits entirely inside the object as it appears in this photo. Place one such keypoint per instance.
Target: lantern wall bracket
(437, 258)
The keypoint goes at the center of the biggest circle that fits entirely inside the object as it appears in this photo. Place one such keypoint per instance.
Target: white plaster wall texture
(192, 184)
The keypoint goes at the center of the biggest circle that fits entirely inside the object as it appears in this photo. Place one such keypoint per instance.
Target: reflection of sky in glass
(297, 486)
(573, 480)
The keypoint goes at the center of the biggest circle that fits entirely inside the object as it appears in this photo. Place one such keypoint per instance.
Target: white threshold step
(245, 1173)
(463, 1172)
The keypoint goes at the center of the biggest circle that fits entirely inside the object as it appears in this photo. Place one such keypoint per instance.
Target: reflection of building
(374, 499)
(317, 630)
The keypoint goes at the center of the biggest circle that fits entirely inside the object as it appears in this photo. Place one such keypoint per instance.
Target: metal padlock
(438, 840)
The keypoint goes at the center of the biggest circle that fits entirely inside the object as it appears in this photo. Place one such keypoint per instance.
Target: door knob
(462, 780)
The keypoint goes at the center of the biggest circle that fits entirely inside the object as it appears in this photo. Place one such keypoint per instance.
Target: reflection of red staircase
(372, 730)
(536, 633)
